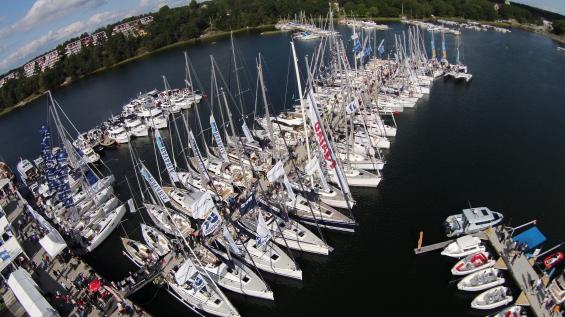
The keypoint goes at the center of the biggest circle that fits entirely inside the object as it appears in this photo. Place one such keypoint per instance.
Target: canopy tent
(4, 182)
(53, 243)
(27, 293)
(9, 251)
(531, 237)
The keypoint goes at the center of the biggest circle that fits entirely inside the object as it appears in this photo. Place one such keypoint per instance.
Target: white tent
(53, 243)
(27, 293)
(9, 251)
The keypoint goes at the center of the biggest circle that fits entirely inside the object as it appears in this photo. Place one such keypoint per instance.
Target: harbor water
(498, 141)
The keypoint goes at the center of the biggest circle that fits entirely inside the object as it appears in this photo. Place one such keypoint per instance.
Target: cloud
(44, 11)
(52, 38)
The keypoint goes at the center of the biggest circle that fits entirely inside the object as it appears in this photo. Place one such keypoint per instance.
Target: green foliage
(559, 27)
(177, 24)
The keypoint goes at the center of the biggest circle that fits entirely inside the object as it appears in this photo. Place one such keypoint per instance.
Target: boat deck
(523, 274)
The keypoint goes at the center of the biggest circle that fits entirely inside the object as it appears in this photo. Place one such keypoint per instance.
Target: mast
(301, 96)
(268, 114)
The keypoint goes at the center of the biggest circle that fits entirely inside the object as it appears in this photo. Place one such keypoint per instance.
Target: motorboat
(481, 280)
(27, 172)
(463, 246)
(471, 220)
(119, 134)
(552, 260)
(512, 311)
(557, 289)
(472, 263)
(493, 298)
(155, 239)
(89, 156)
(135, 126)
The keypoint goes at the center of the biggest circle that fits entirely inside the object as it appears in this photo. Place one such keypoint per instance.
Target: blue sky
(31, 27)
(550, 5)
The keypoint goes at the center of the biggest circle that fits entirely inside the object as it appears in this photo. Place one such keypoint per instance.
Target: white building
(76, 46)
(4, 80)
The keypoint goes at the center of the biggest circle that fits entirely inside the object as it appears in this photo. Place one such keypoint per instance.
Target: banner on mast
(326, 147)
(289, 190)
(131, 205)
(165, 156)
(154, 184)
(212, 222)
(196, 150)
(263, 232)
(276, 172)
(202, 206)
(352, 107)
(231, 243)
(218, 139)
(247, 133)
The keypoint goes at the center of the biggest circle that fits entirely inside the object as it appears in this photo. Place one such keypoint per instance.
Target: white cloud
(52, 38)
(40, 11)
(44, 11)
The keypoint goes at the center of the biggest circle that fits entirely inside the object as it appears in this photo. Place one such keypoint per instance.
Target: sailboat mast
(301, 96)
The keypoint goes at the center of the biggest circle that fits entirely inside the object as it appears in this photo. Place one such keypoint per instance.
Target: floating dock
(523, 273)
(58, 277)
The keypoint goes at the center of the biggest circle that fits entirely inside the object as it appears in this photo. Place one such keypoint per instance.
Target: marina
(333, 244)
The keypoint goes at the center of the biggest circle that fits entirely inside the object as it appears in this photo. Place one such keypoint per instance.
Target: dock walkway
(523, 273)
(59, 277)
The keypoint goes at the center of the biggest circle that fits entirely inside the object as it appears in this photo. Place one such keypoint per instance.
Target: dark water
(499, 142)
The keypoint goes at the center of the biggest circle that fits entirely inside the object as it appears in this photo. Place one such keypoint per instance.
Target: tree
(559, 27)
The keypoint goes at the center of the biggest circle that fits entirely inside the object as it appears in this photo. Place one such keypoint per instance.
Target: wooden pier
(524, 275)
(432, 247)
(58, 277)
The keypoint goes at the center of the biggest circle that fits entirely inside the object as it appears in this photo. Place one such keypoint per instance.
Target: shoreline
(266, 29)
(207, 37)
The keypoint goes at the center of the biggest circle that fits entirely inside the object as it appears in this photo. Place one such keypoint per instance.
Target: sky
(29, 28)
(557, 6)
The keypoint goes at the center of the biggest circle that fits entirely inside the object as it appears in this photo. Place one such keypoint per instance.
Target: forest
(172, 25)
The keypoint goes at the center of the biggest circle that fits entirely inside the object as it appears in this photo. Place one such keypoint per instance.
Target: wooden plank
(432, 247)
(500, 264)
(522, 300)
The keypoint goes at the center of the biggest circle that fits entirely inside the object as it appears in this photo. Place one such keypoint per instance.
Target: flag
(165, 156)
(326, 147)
(289, 190)
(202, 206)
(131, 205)
(218, 139)
(352, 107)
(275, 172)
(381, 48)
(231, 243)
(247, 133)
(201, 167)
(356, 46)
(247, 205)
(185, 272)
(263, 232)
(211, 223)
